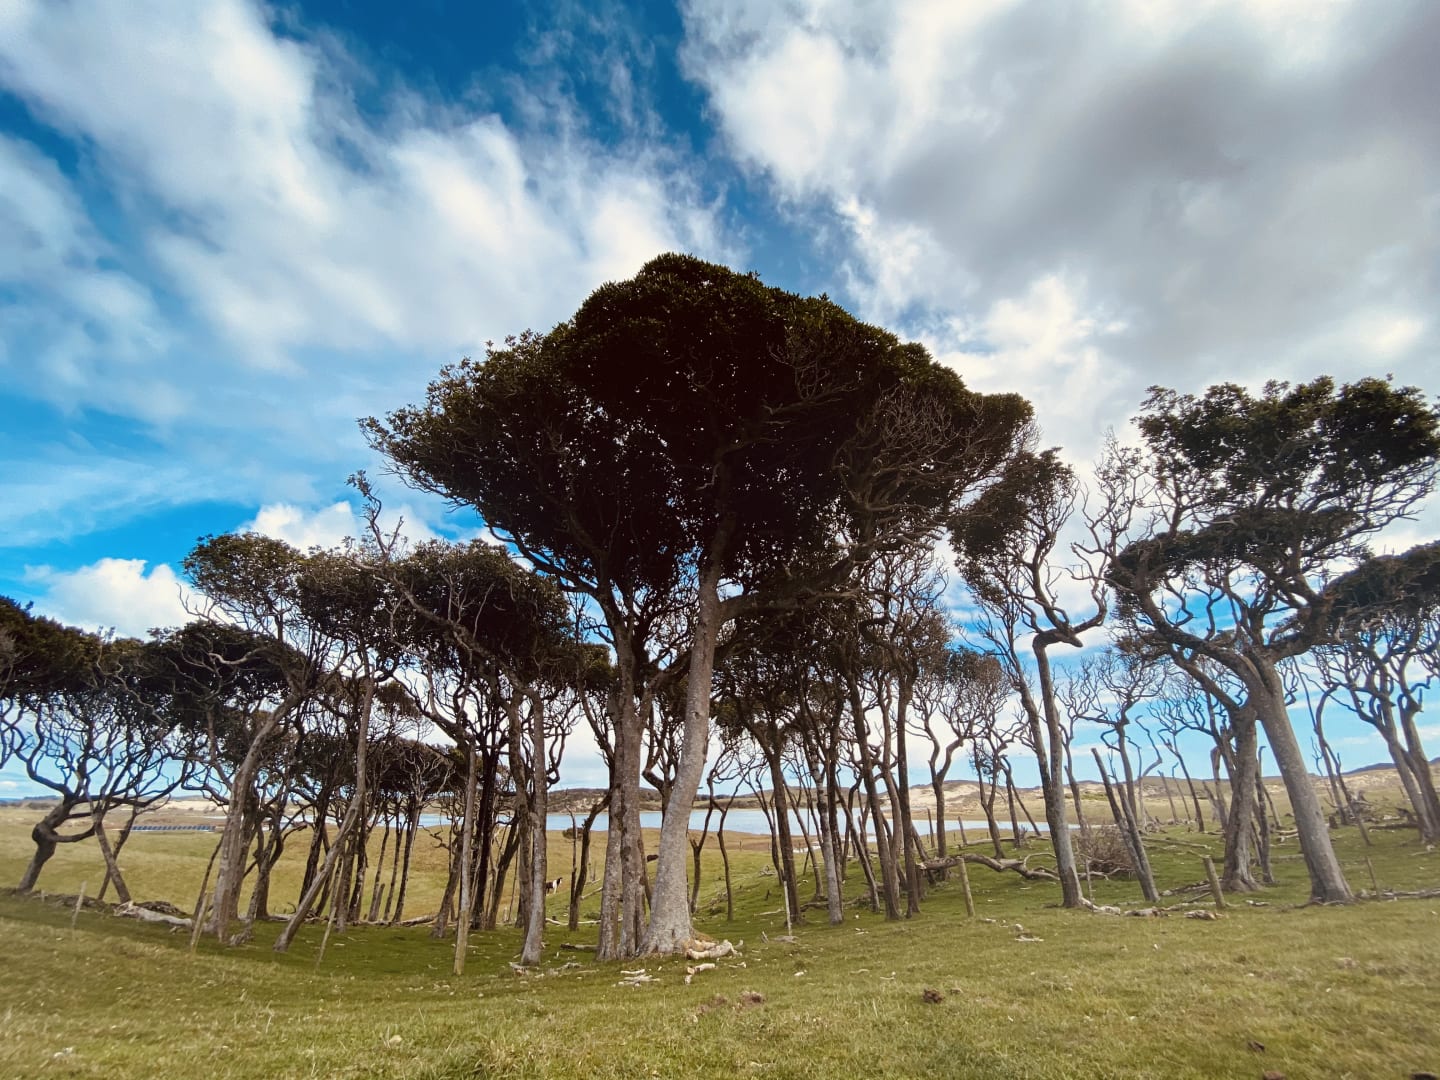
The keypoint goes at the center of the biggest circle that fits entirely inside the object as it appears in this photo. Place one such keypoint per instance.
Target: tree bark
(670, 927)
(1238, 821)
(1327, 880)
(46, 839)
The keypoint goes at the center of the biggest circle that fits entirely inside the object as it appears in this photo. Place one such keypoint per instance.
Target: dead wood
(144, 914)
(698, 949)
(1019, 866)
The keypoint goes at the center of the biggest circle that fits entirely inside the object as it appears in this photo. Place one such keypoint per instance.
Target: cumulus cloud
(118, 594)
(331, 526)
(1148, 192)
(274, 261)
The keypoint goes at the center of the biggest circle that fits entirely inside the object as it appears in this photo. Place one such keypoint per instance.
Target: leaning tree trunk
(342, 835)
(1327, 880)
(1426, 795)
(1129, 828)
(1052, 778)
(234, 841)
(112, 866)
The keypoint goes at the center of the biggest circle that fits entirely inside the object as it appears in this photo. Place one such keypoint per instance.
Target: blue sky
(227, 229)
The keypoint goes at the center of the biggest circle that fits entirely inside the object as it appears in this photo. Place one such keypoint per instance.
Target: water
(736, 821)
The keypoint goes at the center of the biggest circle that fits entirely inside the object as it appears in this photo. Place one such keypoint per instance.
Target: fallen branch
(132, 911)
(705, 950)
(1019, 866)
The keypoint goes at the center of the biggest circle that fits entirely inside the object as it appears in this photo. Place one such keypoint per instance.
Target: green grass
(1333, 992)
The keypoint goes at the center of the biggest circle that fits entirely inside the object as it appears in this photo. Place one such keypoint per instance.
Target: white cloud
(1155, 192)
(302, 224)
(331, 526)
(312, 263)
(116, 594)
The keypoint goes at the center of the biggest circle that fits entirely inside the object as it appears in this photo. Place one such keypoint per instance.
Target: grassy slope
(1329, 992)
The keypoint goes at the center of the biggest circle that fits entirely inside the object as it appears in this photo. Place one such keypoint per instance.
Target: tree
(692, 433)
(1386, 617)
(90, 730)
(1258, 501)
(1009, 548)
(964, 691)
(252, 582)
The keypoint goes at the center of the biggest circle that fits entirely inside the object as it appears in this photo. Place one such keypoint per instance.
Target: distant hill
(1382, 766)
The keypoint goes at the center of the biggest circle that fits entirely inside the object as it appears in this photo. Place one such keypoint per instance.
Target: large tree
(694, 433)
(1259, 499)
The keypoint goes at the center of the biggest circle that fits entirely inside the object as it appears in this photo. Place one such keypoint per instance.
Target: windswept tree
(91, 730)
(510, 629)
(1385, 652)
(253, 583)
(1012, 552)
(692, 433)
(1258, 501)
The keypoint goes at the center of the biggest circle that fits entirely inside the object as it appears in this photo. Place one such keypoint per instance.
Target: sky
(227, 230)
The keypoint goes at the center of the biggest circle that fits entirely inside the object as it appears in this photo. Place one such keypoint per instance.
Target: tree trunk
(622, 897)
(352, 818)
(1052, 784)
(46, 840)
(1327, 880)
(1236, 876)
(535, 811)
(670, 928)
(582, 875)
(1130, 829)
(465, 916)
(1426, 795)
(112, 867)
(1194, 795)
(230, 867)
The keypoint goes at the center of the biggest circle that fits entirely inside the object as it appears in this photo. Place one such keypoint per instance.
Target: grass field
(1327, 992)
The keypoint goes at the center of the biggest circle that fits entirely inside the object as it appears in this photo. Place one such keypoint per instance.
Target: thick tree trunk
(46, 839)
(670, 928)
(1327, 880)
(829, 853)
(1426, 800)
